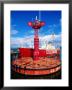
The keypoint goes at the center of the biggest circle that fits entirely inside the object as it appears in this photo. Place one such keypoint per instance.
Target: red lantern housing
(42, 23)
(30, 23)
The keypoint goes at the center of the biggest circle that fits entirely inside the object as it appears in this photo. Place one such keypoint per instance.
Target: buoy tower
(36, 25)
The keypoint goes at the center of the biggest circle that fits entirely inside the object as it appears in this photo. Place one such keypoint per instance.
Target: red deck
(43, 66)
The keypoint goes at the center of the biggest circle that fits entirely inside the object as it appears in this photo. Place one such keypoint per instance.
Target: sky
(22, 35)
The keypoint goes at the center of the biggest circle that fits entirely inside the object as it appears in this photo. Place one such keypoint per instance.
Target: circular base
(43, 66)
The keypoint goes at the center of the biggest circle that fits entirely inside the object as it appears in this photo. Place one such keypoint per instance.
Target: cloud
(22, 42)
(28, 42)
(56, 41)
(53, 26)
(13, 32)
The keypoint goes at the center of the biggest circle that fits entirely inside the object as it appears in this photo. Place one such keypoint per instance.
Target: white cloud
(13, 32)
(48, 38)
(29, 41)
(53, 26)
(22, 42)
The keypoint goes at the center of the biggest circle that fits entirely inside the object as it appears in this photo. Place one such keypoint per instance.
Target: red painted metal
(25, 52)
(36, 45)
(30, 23)
(28, 52)
(38, 72)
(44, 66)
(36, 25)
(41, 65)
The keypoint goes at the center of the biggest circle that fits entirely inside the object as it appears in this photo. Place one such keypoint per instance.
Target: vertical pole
(40, 15)
(36, 45)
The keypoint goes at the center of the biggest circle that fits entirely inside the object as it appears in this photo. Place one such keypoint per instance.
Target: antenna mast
(39, 15)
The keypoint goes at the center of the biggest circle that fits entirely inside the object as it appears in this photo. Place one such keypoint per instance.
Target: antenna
(36, 17)
(39, 15)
